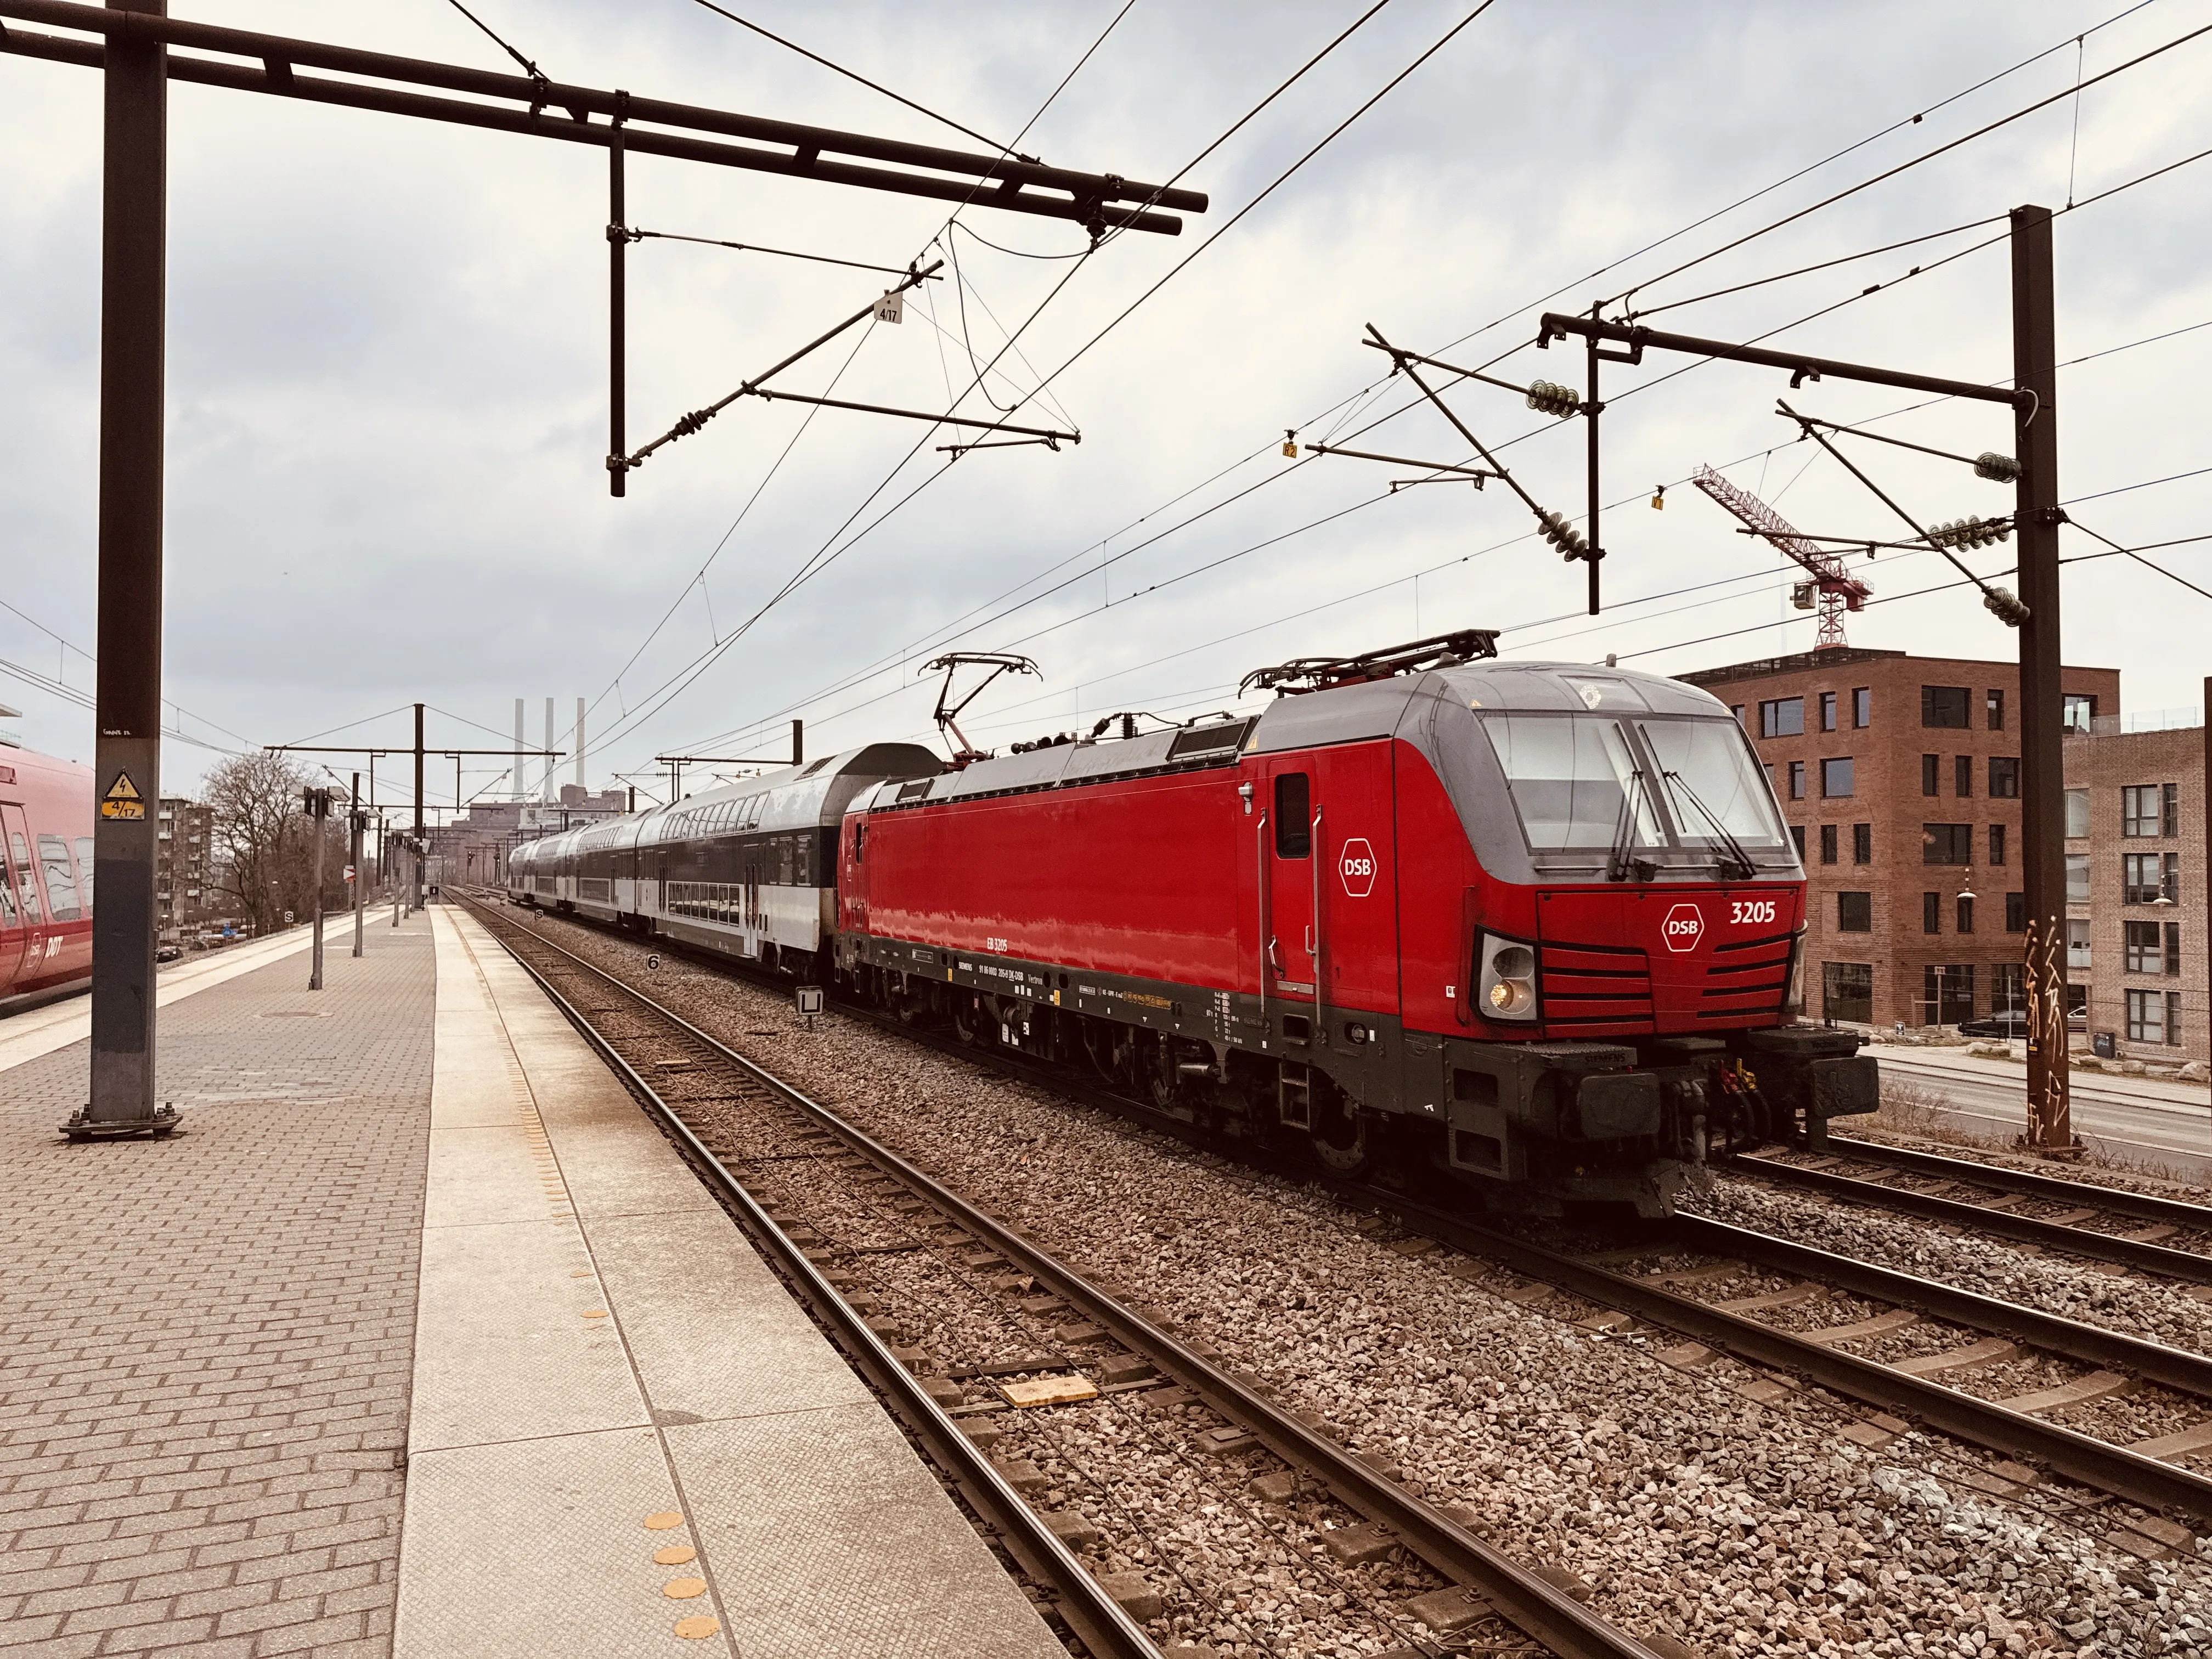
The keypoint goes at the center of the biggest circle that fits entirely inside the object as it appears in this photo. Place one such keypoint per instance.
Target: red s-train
(45, 876)
(1532, 926)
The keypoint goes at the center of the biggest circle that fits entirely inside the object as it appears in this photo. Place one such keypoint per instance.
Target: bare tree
(267, 841)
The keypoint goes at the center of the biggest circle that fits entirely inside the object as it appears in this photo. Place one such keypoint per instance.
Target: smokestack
(545, 778)
(518, 784)
(579, 743)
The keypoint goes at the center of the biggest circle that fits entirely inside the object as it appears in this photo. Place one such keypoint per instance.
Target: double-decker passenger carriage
(1534, 925)
(45, 876)
(748, 869)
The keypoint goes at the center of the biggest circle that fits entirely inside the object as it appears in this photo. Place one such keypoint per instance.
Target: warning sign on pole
(123, 800)
(891, 308)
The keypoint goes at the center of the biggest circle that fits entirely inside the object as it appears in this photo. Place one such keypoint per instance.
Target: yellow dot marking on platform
(581, 1272)
(675, 1555)
(697, 1628)
(663, 1520)
(682, 1589)
(595, 1313)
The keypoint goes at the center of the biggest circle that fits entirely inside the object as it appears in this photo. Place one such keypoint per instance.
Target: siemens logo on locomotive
(1532, 928)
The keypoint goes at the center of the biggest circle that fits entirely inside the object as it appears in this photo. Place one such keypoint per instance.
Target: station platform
(419, 1338)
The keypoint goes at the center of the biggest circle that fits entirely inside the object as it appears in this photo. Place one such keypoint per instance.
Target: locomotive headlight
(1508, 986)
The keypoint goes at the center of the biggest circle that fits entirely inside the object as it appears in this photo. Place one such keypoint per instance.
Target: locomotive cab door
(1288, 958)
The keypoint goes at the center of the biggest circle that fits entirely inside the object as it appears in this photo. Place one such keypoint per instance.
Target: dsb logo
(1357, 866)
(1684, 926)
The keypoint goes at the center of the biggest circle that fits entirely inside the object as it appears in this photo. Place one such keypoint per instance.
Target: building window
(2016, 913)
(1827, 843)
(1931, 913)
(1863, 706)
(2145, 877)
(1855, 913)
(1943, 707)
(1827, 711)
(1947, 991)
(2081, 708)
(1965, 913)
(1797, 839)
(2077, 943)
(1996, 844)
(2009, 988)
(2142, 810)
(1996, 705)
(1836, 778)
(1767, 767)
(2173, 808)
(2004, 777)
(1931, 775)
(1863, 843)
(2173, 950)
(1962, 777)
(1736, 709)
(2153, 1017)
(1796, 780)
(1847, 991)
(2145, 942)
(2077, 877)
(1783, 718)
(1947, 843)
(2077, 813)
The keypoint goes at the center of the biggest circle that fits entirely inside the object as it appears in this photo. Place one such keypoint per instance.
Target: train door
(19, 899)
(1288, 950)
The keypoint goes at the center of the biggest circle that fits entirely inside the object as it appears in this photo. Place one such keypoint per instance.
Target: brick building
(2135, 888)
(184, 867)
(1899, 777)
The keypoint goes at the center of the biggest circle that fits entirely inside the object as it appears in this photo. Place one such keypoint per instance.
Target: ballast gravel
(2134, 1304)
(1690, 1511)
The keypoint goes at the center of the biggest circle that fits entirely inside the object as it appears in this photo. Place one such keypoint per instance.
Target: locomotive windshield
(1581, 781)
(1713, 787)
(1571, 777)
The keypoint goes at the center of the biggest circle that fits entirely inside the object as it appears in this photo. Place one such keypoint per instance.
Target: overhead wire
(829, 552)
(854, 75)
(1925, 156)
(1368, 392)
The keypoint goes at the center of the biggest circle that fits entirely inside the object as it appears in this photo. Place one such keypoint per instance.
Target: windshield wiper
(1620, 865)
(1744, 869)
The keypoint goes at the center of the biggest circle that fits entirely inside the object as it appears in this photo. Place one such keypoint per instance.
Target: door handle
(1310, 938)
(1273, 961)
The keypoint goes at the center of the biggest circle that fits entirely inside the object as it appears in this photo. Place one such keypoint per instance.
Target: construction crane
(1838, 590)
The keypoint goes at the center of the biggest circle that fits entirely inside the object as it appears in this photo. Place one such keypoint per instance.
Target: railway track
(2163, 1235)
(1963, 1335)
(825, 1201)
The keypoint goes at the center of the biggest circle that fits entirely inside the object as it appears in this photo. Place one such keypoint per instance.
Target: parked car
(2012, 1023)
(168, 952)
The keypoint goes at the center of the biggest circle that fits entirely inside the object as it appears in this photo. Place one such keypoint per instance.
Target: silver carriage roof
(804, 797)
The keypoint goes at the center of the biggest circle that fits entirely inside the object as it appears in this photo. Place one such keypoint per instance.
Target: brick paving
(205, 1343)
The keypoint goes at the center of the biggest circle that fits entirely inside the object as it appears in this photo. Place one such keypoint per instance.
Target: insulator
(1563, 535)
(1550, 398)
(2005, 606)
(1997, 469)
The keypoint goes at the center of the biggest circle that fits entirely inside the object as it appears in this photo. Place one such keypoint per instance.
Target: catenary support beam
(417, 848)
(2042, 702)
(552, 110)
(127, 746)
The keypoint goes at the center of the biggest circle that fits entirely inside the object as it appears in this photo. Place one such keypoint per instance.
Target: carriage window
(1293, 814)
(61, 878)
(83, 845)
(18, 849)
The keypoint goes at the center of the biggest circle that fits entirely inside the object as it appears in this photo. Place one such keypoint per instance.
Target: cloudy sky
(387, 387)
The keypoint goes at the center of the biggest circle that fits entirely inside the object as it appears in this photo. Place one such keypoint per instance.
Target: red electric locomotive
(1535, 925)
(45, 877)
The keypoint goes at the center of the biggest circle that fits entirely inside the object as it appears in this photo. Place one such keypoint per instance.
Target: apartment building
(1899, 777)
(183, 873)
(2136, 910)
